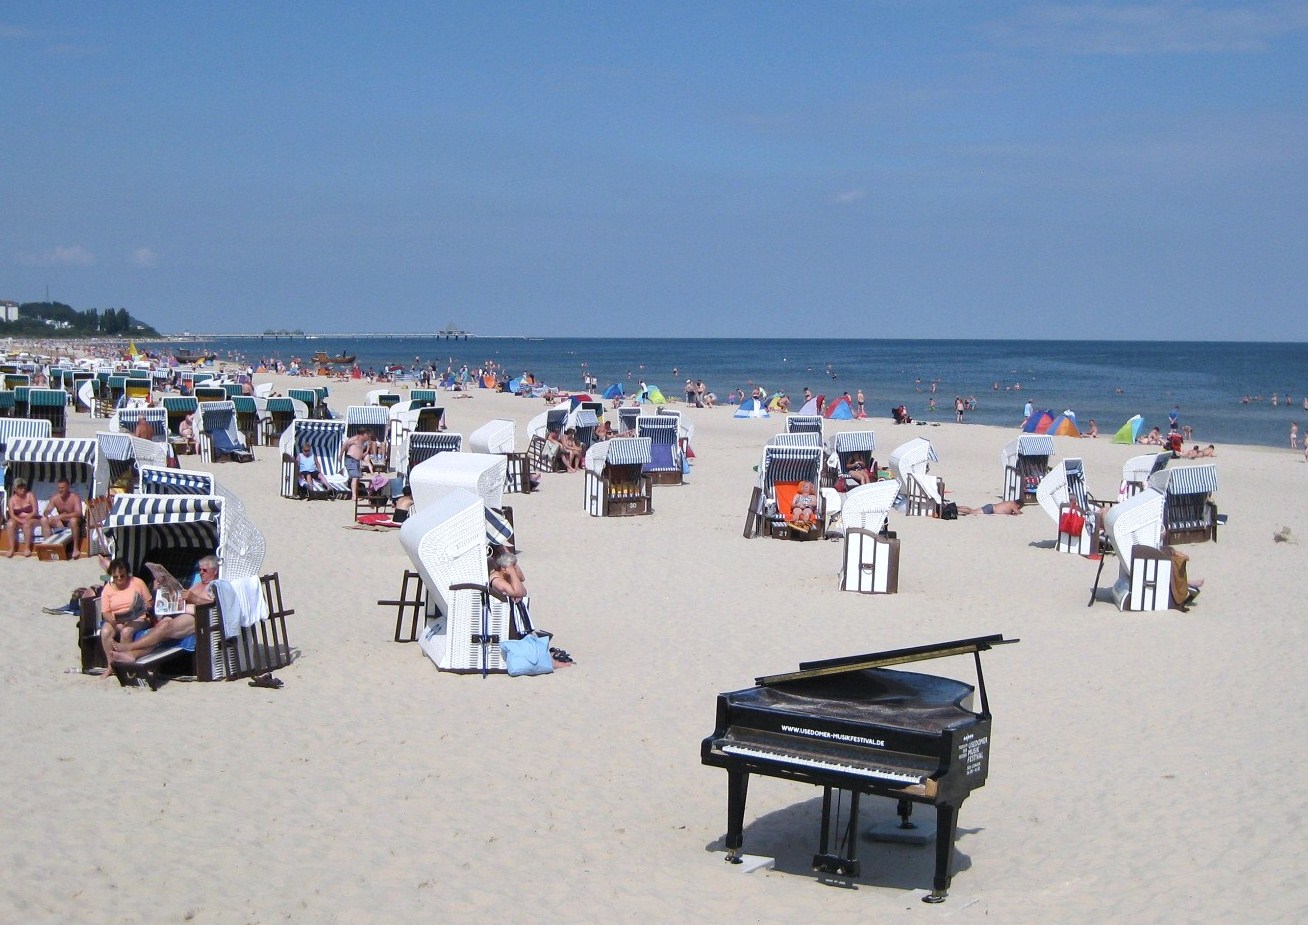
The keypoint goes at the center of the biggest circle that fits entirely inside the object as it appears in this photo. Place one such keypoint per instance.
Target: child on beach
(803, 509)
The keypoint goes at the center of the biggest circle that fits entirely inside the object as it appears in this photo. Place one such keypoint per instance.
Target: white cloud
(144, 257)
(72, 256)
(849, 196)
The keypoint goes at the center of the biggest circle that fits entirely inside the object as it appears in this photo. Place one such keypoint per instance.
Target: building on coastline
(9, 310)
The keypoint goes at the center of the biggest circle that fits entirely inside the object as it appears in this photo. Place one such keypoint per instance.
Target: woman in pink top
(126, 606)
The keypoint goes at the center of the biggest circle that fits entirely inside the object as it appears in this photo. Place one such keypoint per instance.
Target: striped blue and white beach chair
(1026, 462)
(422, 446)
(780, 472)
(50, 405)
(217, 433)
(667, 462)
(43, 461)
(127, 418)
(616, 483)
(1189, 514)
(325, 439)
(804, 424)
(851, 447)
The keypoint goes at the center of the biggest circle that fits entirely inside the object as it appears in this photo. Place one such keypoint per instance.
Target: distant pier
(310, 335)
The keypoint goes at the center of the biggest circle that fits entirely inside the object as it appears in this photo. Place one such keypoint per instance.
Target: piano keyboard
(877, 773)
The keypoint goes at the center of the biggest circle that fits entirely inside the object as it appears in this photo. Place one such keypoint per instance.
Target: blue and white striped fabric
(803, 438)
(12, 429)
(127, 418)
(139, 524)
(376, 418)
(660, 428)
(803, 423)
(498, 530)
(423, 446)
(855, 441)
(1185, 480)
(627, 418)
(47, 398)
(217, 415)
(155, 481)
(627, 451)
(584, 417)
(116, 446)
(180, 404)
(789, 464)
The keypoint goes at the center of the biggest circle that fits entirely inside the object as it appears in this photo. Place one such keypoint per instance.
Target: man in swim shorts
(999, 507)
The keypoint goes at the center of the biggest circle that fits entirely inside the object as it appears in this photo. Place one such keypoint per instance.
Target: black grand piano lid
(895, 699)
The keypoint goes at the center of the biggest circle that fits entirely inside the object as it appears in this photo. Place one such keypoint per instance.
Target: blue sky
(914, 168)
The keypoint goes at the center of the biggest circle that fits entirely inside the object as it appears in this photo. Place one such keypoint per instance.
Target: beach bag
(529, 655)
(1072, 522)
(949, 511)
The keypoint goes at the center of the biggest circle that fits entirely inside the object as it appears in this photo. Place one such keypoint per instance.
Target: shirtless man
(999, 507)
(174, 626)
(354, 452)
(64, 509)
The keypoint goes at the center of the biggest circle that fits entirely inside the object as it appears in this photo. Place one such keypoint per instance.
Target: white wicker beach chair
(1135, 528)
(1026, 462)
(1189, 514)
(1062, 495)
(780, 471)
(616, 484)
(923, 493)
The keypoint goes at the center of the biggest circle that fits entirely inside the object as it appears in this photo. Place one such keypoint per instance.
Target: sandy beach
(1136, 769)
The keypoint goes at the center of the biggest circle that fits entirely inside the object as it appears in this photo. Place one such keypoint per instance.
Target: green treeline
(55, 319)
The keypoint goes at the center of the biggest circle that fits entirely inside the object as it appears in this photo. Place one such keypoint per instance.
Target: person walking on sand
(862, 410)
(958, 408)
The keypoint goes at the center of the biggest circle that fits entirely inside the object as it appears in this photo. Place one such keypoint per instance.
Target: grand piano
(855, 725)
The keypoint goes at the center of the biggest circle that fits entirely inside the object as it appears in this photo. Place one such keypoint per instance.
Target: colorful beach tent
(814, 405)
(839, 410)
(1130, 431)
(752, 408)
(1063, 426)
(577, 399)
(515, 384)
(775, 402)
(651, 396)
(1038, 422)
(614, 391)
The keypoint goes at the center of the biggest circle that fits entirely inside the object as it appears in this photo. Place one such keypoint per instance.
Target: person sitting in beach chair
(310, 479)
(804, 507)
(570, 451)
(64, 510)
(174, 626)
(21, 518)
(186, 430)
(125, 609)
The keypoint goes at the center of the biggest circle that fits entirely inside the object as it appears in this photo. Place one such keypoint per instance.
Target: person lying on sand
(999, 507)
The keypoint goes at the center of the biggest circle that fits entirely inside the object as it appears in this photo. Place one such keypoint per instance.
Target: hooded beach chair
(1137, 470)
(128, 418)
(422, 446)
(281, 414)
(325, 439)
(217, 434)
(667, 463)
(627, 418)
(124, 455)
(1134, 529)
(780, 472)
(309, 398)
(376, 418)
(49, 405)
(160, 480)
(806, 438)
(439, 475)
(12, 429)
(136, 391)
(176, 409)
(851, 446)
(42, 462)
(205, 393)
(498, 436)
(244, 632)
(616, 484)
(249, 419)
(1062, 495)
(1026, 462)
(804, 424)
(870, 561)
(923, 493)
(465, 622)
(1189, 514)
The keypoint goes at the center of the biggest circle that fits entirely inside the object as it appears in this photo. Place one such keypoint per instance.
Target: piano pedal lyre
(825, 862)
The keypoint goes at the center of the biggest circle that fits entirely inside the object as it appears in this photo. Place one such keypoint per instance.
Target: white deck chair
(1137, 470)
(1135, 528)
(1026, 462)
(446, 542)
(440, 475)
(923, 493)
(1062, 495)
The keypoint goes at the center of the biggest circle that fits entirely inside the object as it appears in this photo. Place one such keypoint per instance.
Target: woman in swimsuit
(21, 516)
(803, 510)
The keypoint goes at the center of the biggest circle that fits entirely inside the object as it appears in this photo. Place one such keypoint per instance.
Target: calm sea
(1105, 380)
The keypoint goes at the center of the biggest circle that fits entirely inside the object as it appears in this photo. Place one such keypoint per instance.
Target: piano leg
(946, 829)
(737, 789)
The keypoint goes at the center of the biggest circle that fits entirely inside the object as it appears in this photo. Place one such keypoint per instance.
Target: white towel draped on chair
(242, 603)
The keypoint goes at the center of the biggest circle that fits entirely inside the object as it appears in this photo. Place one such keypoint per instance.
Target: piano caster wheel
(935, 896)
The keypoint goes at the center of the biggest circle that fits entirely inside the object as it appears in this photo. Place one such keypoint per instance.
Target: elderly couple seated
(132, 623)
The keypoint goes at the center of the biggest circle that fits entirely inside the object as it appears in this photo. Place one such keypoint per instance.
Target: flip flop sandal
(268, 681)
